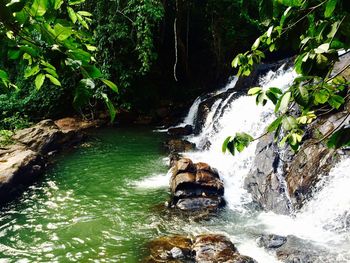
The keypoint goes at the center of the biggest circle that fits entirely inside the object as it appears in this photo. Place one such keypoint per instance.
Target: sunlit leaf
(39, 80)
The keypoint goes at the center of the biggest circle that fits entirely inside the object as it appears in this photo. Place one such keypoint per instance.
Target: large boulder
(24, 160)
(195, 186)
(201, 249)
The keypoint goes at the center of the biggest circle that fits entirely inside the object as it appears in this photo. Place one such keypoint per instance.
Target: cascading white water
(240, 115)
(325, 220)
(193, 111)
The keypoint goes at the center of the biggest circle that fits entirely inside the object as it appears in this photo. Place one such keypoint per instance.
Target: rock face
(195, 186)
(291, 249)
(22, 162)
(263, 181)
(280, 180)
(201, 249)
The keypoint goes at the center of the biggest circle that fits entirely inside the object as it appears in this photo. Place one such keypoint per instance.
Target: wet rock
(281, 180)
(202, 249)
(183, 165)
(213, 248)
(271, 241)
(22, 162)
(179, 145)
(200, 203)
(207, 168)
(297, 250)
(263, 182)
(291, 249)
(170, 249)
(180, 131)
(173, 158)
(195, 186)
(76, 124)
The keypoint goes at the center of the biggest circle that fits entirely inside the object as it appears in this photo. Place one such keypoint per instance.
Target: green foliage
(124, 35)
(319, 29)
(48, 38)
(237, 143)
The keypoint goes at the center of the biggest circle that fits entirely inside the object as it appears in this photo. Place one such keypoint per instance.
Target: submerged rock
(201, 249)
(195, 186)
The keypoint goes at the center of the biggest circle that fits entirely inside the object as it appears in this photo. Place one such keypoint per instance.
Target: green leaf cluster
(318, 30)
(50, 38)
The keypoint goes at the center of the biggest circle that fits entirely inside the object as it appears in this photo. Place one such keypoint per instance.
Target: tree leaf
(72, 15)
(275, 124)
(14, 54)
(254, 91)
(3, 75)
(330, 7)
(302, 95)
(110, 106)
(340, 138)
(110, 84)
(321, 96)
(235, 61)
(84, 13)
(256, 44)
(58, 4)
(283, 103)
(53, 80)
(62, 32)
(289, 123)
(82, 21)
(322, 48)
(39, 7)
(93, 71)
(31, 71)
(224, 145)
(51, 72)
(291, 3)
(39, 80)
(336, 101)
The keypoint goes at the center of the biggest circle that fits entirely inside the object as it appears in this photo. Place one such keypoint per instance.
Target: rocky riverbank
(22, 162)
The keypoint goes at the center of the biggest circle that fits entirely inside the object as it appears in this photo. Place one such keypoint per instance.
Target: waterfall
(193, 111)
(324, 220)
(228, 116)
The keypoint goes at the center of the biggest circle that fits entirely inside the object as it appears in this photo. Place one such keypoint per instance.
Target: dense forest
(175, 131)
(62, 58)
